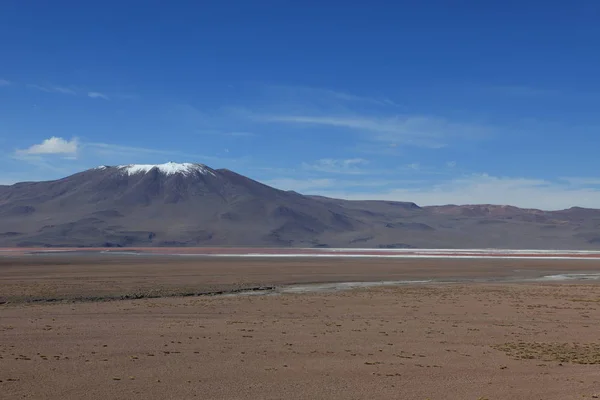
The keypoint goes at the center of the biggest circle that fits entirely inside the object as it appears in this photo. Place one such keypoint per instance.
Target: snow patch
(169, 168)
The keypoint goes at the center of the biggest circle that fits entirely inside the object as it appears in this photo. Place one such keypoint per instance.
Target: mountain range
(194, 205)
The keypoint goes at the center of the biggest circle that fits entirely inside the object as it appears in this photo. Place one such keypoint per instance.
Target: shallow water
(337, 286)
(343, 286)
(570, 277)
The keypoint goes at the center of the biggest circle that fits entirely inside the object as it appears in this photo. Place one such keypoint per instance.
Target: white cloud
(105, 153)
(69, 150)
(4, 82)
(53, 145)
(53, 89)
(56, 158)
(329, 165)
(97, 95)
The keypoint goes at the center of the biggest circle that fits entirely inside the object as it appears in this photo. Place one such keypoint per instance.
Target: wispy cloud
(78, 91)
(325, 186)
(522, 91)
(240, 134)
(376, 119)
(581, 181)
(53, 145)
(373, 100)
(294, 110)
(109, 153)
(319, 95)
(53, 89)
(414, 130)
(218, 132)
(125, 96)
(108, 149)
(42, 174)
(98, 95)
(4, 82)
(328, 165)
(300, 185)
(46, 168)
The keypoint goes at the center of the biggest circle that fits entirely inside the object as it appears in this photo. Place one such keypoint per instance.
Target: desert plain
(114, 326)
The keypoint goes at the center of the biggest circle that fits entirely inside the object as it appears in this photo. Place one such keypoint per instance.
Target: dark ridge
(133, 296)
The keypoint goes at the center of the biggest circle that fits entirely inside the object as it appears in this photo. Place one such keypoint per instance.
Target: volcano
(192, 204)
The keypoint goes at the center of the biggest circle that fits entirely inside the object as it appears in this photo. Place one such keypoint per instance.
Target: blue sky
(434, 102)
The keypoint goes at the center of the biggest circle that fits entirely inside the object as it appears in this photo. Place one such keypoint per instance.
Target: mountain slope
(195, 205)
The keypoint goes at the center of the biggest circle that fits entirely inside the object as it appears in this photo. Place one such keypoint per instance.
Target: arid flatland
(480, 335)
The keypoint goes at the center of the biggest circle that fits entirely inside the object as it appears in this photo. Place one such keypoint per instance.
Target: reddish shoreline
(241, 251)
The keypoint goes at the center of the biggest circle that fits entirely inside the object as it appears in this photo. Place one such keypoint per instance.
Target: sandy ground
(440, 341)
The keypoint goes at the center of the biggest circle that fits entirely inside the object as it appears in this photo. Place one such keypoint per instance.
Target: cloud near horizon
(469, 189)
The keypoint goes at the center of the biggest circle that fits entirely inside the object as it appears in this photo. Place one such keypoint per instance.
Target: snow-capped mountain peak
(170, 168)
